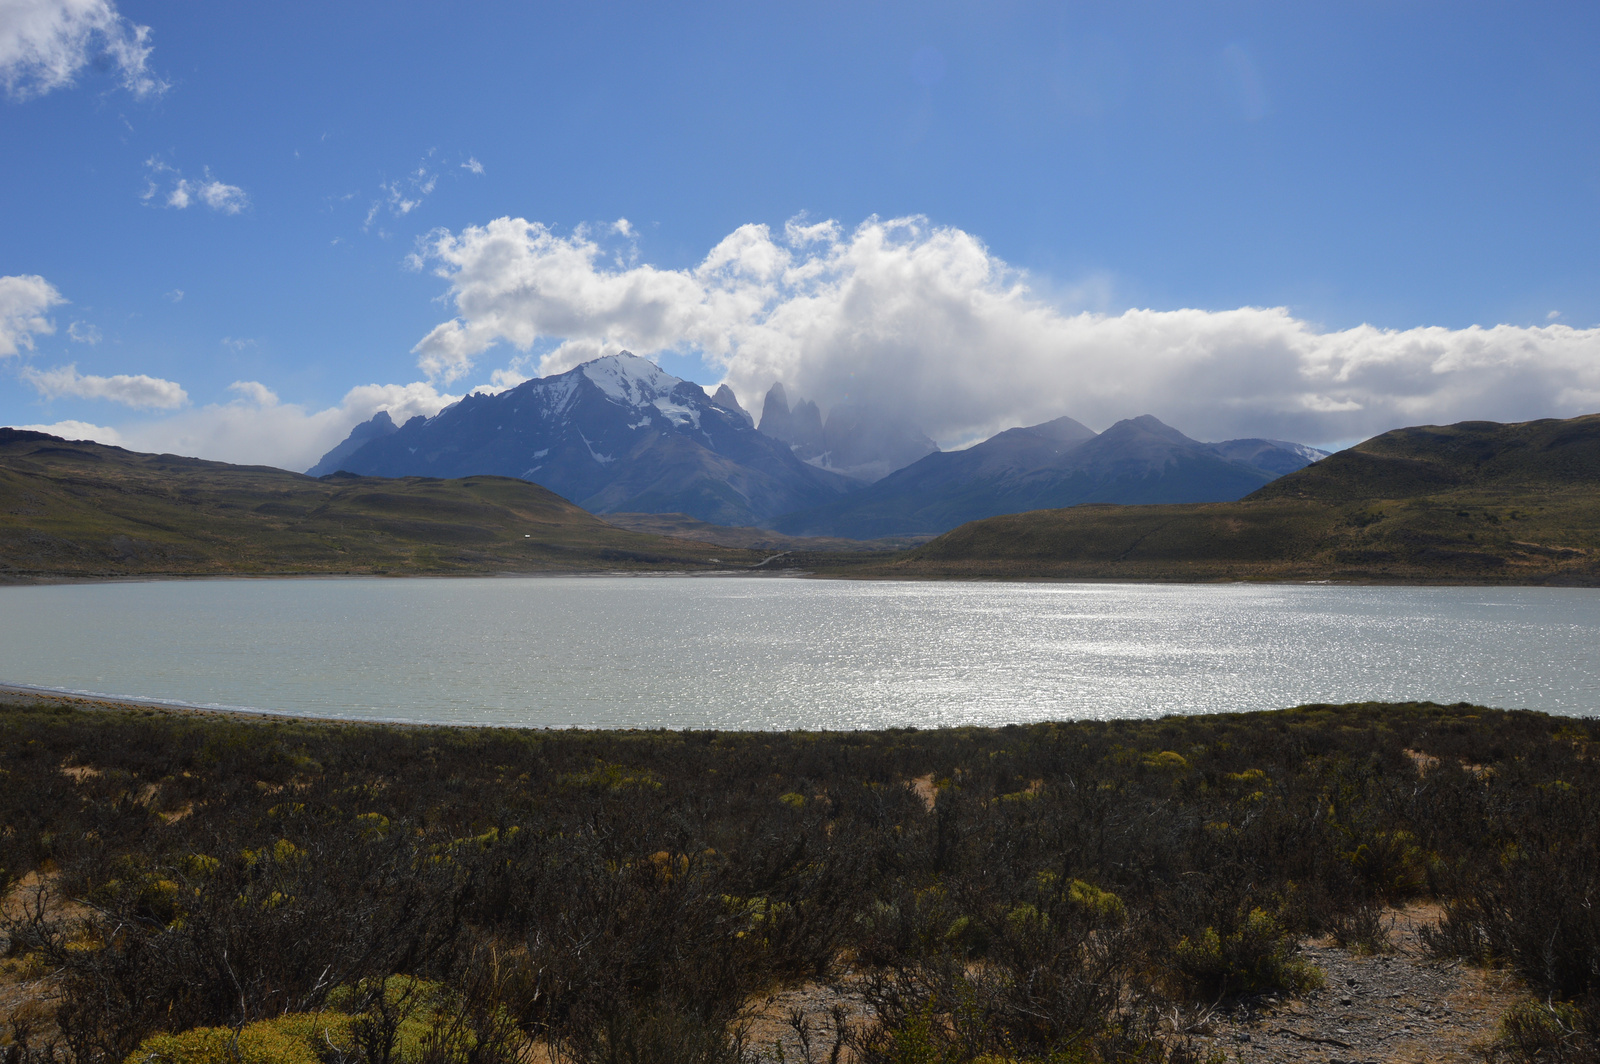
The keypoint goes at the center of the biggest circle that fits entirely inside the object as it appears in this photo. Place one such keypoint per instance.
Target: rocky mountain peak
(629, 379)
(725, 398)
(618, 433)
(860, 442)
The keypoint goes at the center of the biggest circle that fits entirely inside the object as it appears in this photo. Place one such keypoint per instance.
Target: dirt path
(1399, 1006)
(1396, 1007)
(770, 1020)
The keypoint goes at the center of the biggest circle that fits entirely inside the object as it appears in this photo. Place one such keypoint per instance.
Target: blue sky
(259, 208)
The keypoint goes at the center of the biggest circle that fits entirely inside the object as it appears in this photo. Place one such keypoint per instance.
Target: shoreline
(67, 579)
(58, 579)
(15, 694)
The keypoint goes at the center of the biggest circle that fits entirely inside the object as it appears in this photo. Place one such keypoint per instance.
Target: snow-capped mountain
(615, 434)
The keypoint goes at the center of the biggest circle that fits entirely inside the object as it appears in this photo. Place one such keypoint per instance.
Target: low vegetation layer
(1478, 502)
(211, 889)
(82, 509)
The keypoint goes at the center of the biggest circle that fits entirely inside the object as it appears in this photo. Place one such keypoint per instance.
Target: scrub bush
(622, 896)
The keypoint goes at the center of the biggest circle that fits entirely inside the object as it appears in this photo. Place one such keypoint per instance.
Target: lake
(741, 652)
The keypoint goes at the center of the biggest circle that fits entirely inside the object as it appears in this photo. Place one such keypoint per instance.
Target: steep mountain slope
(83, 509)
(377, 428)
(1059, 463)
(618, 433)
(1475, 502)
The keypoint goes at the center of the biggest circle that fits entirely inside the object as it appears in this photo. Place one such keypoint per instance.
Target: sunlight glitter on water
(742, 652)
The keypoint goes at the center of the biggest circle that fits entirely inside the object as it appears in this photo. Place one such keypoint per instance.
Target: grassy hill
(1478, 501)
(83, 509)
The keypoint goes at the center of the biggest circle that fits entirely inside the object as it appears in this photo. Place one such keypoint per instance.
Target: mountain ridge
(1475, 502)
(614, 434)
(88, 510)
(1055, 464)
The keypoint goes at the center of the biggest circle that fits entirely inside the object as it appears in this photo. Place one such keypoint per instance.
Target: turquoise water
(772, 652)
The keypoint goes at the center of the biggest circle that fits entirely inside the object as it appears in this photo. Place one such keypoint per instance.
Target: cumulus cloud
(24, 298)
(181, 192)
(44, 44)
(255, 393)
(138, 391)
(81, 332)
(925, 321)
(472, 166)
(79, 430)
(257, 428)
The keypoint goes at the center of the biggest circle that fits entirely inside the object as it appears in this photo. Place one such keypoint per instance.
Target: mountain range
(1059, 463)
(1474, 502)
(621, 435)
(615, 434)
(1477, 501)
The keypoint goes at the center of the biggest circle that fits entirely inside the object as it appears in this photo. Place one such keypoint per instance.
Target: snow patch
(558, 393)
(601, 458)
(1310, 454)
(677, 413)
(629, 379)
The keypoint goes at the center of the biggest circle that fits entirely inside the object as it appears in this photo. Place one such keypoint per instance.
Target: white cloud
(24, 298)
(472, 166)
(82, 332)
(44, 44)
(238, 343)
(927, 322)
(255, 393)
(79, 430)
(176, 295)
(140, 392)
(405, 194)
(183, 192)
(257, 428)
(399, 204)
(229, 199)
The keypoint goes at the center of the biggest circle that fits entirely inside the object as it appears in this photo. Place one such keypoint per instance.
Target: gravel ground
(770, 1020)
(1396, 1007)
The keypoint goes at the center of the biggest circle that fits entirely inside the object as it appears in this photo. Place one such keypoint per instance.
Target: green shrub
(1256, 956)
(1550, 1032)
(299, 1038)
(1102, 906)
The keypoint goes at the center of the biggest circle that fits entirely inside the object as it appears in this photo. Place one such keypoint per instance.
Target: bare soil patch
(1400, 1006)
(817, 1006)
(1396, 1007)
